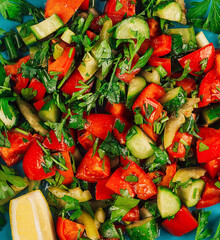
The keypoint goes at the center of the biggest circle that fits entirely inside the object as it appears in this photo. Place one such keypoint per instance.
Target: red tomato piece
(64, 9)
(86, 139)
(125, 160)
(33, 158)
(54, 144)
(39, 87)
(91, 35)
(19, 144)
(91, 168)
(20, 83)
(182, 223)
(149, 130)
(188, 85)
(99, 124)
(196, 57)
(213, 168)
(127, 77)
(132, 216)
(102, 192)
(144, 46)
(68, 174)
(117, 109)
(154, 27)
(164, 62)
(68, 230)
(161, 45)
(217, 62)
(170, 172)
(85, 5)
(208, 91)
(95, 24)
(39, 104)
(63, 63)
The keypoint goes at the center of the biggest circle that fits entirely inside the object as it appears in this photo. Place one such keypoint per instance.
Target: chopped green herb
(203, 147)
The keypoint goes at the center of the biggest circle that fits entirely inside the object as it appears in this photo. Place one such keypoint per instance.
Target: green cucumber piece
(50, 112)
(29, 39)
(170, 11)
(67, 36)
(47, 27)
(122, 91)
(58, 51)
(138, 143)
(188, 34)
(128, 27)
(191, 194)
(108, 230)
(144, 229)
(211, 114)
(135, 87)
(174, 99)
(168, 202)
(11, 121)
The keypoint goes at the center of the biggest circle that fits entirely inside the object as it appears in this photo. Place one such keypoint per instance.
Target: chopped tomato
(170, 172)
(132, 216)
(86, 139)
(164, 62)
(161, 45)
(188, 85)
(39, 87)
(154, 27)
(102, 192)
(213, 168)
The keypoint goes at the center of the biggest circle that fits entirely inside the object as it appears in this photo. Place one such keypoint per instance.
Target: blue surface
(5, 233)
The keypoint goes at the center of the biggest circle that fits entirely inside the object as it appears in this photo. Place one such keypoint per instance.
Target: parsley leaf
(217, 234)
(203, 232)
(118, 5)
(72, 205)
(2, 31)
(4, 142)
(119, 126)
(203, 147)
(28, 93)
(11, 9)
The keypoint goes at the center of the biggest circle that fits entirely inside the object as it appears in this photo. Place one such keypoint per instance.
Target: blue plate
(5, 233)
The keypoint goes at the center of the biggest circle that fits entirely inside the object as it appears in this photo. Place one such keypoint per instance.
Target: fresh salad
(113, 117)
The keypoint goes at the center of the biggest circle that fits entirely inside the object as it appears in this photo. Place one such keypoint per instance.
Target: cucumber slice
(108, 230)
(58, 51)
(88, 67)
(47, 27)
(122, 91)
(170, 11)
(50, 112)
(191, 194)
(67, 36)
(30, 38)
(168, 203)
(135, 87)
(188, 34)
(138, 143)
(211, 114)
(145, 229)
(174, 99)
(9, 122)
(127, 28)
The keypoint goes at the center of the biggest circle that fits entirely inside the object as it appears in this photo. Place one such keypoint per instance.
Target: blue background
(5, 233)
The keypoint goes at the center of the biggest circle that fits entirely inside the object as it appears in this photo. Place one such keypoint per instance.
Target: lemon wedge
(30, 218)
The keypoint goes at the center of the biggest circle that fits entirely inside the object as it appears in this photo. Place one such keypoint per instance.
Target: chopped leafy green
(119, 126)
(148, 110)
(203, 147)
(142, 61)
(28, 93)
(203, 232)
(118, 5)
(217, 234)
(4, 142)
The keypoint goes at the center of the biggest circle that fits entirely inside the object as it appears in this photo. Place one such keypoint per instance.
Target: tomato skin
(99, 124)
(91, 167)
(211, 139)
(182, 223)
(39, 87)
(144, 46)
(127, 77)
(170, 172)
(188, 85)
(208, 92)
(68, 230)
(64, 9)
(54, 144)
(84, 138)
(102, 192)
(132, 216)
(154, 27)
(197, 56)
(85, 5)
(39, 104)
(20, 83)
(91, 35)
(161, 45)
(213, 168)
(33, 158)
(217, 62)
(63, 63)
(164, 62)
(118, 109)
(18, 147)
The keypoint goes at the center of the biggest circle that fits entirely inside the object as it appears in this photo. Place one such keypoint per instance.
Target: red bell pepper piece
(217, 62)
(33, 158)
(181, 151)
(170, 172)
(102, 192)
(63, 63)
(19, 144)
(63, 8)
(164, 62)
(54, 144)
(20, 83)
(188, 85)
(127, 77)
(99, 124)
(196, 58)
(68, 230)
(39, 87)
(86, 139)
(91, 168)
(154, 27)
(118, 109)
(91, 35)
(132, 216)
(182, 223)
(70, 86)
(85, 5)
(39, 104)
(121, 137)
(68, 174)
(208, 91)
(116, 183)
(213, 168)
(209, 148)
(210, 196)
(161, 45)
